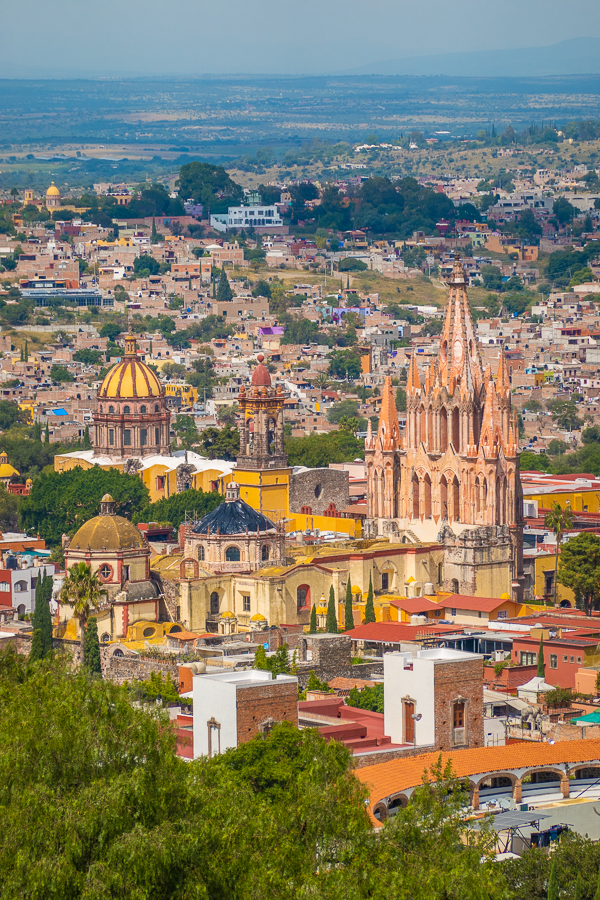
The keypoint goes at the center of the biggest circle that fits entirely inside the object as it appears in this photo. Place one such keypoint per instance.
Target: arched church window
(265, 553)
(126, 410)
(100, 409)
(232, 554)
(271, 435)
(456, 428)
(443, 430)
(214, 604)
(201, 554)
(111, 409)
(143, 410)
(156, 407)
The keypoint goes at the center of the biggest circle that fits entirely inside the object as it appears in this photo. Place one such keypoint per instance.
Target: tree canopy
(173, 509)
(60, 502)
(209, 185)
(318, 450)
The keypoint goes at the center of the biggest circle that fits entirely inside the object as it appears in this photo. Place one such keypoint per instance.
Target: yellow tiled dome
(107, 533)
(53, 191)
(131, 378)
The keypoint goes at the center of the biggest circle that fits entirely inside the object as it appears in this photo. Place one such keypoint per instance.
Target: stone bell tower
(262, 469)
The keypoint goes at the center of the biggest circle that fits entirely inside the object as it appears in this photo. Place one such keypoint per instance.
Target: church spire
(389, 428)
(503, 379)
(459, 336)
(414, 382)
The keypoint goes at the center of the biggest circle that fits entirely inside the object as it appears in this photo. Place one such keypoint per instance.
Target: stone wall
(129, 668)
(460, 681)
(317, 488)
(329, 655)
(262, 705)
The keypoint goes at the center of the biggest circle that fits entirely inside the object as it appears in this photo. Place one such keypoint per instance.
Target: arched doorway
(444, 498)
(427, 496)
(415, 497)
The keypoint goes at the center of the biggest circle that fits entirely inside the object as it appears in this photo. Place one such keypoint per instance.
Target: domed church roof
(260, 376)
(107, 531)
(233, 517)
(53, 191)
(130, 379)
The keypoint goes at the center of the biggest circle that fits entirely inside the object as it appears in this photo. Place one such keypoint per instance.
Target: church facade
(453, 476)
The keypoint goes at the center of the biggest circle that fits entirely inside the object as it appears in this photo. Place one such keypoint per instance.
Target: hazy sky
(196, 37)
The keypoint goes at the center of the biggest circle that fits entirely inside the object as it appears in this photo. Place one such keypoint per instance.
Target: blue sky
(196, 37)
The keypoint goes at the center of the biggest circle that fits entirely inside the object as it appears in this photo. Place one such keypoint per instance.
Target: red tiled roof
(463, 601)
(394, 632)
(398, 775)
(416, 605)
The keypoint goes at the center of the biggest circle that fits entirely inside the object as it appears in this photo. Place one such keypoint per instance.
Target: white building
(259, 217)
(230, 708)
(434, 699)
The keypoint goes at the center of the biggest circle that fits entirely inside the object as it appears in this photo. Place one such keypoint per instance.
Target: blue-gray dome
(233, 517)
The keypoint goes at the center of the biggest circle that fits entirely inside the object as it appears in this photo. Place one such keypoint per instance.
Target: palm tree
(558, 520)
(321, 380)
(83, 591)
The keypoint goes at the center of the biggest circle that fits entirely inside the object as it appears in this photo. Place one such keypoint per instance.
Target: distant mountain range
(577, 56)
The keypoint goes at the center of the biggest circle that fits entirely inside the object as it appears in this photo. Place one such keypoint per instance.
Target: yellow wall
(300, 522)
(544, 564)
(579, 501)
(188, 394)
(268, 491)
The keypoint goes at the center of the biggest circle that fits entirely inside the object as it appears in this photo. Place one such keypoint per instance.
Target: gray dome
(233, 517)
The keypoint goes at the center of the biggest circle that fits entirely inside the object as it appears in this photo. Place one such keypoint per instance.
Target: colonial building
(119, 556)
(235, 538)
(132, 417)
(453, 476)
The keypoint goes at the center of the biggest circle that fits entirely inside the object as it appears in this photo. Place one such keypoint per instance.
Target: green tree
(36, 653)
(9, 510)
(350, 424)
(209, 185)
(582, 276)
(61, 374)
(541, 665)
(110, 330)
(42, 619)
(370, 608)
(186, 431)
(579, 569)
(88, 357)
(352, 264)
(317, 451)
(82, 591)
(60, 503)
(313, 620)
(87, 442)
(370, 698)
(563, 211)
(224, 292)
(344, 364)
(227, 415)
(220, 443)
(553, 891)
(173, 509)
(145, 265)
(564, 413)
(260, 659)
(348, 615)
(11, 414)
(92, 647)
(558, 520)
(331, 626)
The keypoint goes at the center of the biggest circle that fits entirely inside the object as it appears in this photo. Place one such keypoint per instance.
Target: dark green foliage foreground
(95, 804)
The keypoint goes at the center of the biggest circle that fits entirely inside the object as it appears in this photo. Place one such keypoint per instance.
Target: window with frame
(246, 602)
(572, 659)
(157, 436)
(553, 661)
(105, 571)
(232, 554)
(4, 586)
(126, 410)
(579, 660)
(458, 722)
(453, 611)
(127, 437)
(111, 436)
(385, 581)
(143, 436)
(503, 614)
(565, 659)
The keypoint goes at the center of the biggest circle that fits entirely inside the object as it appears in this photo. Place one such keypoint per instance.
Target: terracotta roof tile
(398, 775)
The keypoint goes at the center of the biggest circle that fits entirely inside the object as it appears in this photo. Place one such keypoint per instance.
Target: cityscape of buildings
(391, 445)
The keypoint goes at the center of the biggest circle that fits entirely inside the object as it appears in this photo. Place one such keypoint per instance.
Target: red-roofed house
(466, 610)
